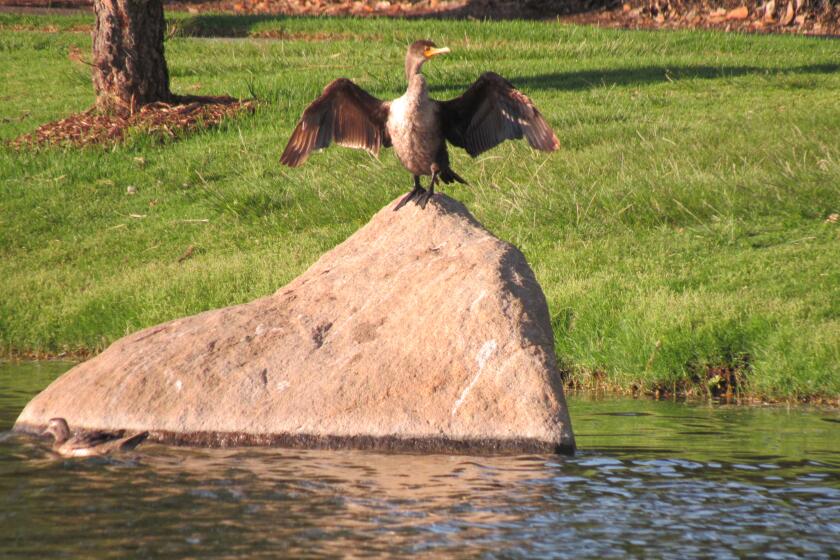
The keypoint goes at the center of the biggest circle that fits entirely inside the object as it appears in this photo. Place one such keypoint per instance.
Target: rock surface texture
(421, 332)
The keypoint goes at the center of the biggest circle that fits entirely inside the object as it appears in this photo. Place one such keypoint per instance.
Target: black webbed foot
(417, 193)
(424, 198)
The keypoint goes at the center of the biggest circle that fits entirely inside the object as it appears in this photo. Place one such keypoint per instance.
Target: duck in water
(418, 127)
(89, 444)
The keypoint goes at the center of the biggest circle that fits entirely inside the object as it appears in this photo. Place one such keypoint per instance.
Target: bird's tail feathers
(133, 441)
(447, 176)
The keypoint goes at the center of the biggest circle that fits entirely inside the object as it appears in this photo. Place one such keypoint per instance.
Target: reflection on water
(651, 479)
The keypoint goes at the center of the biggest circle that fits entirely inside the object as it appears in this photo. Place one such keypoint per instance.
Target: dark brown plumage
(488, 113)
(492, 111)
(89, 444)
(345, 114)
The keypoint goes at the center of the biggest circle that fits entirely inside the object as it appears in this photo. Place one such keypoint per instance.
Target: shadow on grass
(248, 26)
(219, 25)
(233, 26)
(588, 79)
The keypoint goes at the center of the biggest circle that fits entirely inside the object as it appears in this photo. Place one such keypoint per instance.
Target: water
(651, 479)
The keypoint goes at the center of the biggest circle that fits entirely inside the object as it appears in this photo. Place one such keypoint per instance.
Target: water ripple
(652, 479)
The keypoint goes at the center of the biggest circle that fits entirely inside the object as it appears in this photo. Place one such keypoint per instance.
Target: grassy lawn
(682, 225)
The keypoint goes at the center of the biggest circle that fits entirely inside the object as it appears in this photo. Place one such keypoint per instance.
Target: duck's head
(58, 429)
(418, 53)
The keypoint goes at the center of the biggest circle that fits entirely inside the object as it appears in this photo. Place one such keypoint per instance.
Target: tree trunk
(129, 69)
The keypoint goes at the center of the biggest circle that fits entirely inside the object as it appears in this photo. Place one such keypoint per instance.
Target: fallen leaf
(187, 254)
(738, 13)
(75, 54)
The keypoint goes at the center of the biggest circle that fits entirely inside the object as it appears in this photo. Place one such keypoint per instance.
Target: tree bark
(129, 69)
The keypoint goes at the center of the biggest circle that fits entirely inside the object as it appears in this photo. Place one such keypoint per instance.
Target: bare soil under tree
(131, 81)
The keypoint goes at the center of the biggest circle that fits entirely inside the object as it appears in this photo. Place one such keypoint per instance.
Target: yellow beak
(434, 52)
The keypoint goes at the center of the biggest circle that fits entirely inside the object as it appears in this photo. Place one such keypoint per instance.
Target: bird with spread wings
(418, 127)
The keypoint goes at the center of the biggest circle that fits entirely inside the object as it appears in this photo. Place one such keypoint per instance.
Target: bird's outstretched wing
(345, 114)
(492, 111)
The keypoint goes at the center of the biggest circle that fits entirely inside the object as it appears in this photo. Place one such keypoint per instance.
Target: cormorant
(488, 113)
(90, 444)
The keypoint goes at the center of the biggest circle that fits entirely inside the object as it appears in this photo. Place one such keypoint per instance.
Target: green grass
(682, 225)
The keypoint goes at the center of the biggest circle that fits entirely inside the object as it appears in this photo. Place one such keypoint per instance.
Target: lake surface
(651, 479)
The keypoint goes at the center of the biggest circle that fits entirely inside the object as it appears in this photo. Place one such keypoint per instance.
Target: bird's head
(58, 429)
(418, 53)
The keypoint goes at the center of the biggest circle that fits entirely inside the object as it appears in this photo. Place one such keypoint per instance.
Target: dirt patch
(160, 120)
(811, 17)
(421, 8)
(821, 18)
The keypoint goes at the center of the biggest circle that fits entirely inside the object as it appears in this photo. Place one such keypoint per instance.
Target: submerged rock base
(421, 332)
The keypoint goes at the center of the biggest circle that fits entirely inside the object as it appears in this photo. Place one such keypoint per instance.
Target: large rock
(422, 331)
